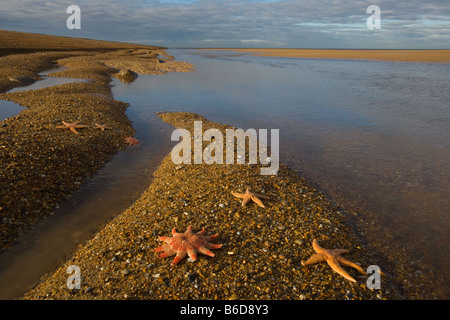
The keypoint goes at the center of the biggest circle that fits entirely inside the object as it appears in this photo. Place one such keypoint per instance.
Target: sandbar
(432, 56)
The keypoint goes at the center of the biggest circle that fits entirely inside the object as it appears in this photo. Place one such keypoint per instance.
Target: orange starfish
(101, 126)
(187, 243)
(131, 141)
(333, 259)
(247, 196)
(72, 126)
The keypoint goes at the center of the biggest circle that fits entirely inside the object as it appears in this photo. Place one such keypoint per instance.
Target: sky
(411, 24)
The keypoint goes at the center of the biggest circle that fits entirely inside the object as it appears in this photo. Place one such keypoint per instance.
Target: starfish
(101, 126)
(332, 257)
(247, 196)
(71, 126)
(131, 141)
(187, 243)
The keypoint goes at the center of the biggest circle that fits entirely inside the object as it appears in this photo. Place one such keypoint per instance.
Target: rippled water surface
(373, 135)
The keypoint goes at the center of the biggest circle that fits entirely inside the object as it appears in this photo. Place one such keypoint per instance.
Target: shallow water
(373, 135)
(100, 199)
(10, 109)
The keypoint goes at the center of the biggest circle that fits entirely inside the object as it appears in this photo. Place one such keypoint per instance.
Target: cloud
(196, 23)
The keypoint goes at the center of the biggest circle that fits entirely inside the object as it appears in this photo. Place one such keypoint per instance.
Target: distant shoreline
(403, 55)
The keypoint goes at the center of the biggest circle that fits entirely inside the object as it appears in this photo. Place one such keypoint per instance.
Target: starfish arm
(73, 130)
(165, 239)
(192, 254)
(318, 248)
(101, 126)
(337, 252)
(211, 237)
(260, 196)
(206, 251)
(167, 253)
(202, 232)
(315, 258)
(161, 248)
(180, 255)
(212, 245)
(352, 264)
(174, 232)
(239, 195)
(258, 202)
(247, 198)
(334, 264)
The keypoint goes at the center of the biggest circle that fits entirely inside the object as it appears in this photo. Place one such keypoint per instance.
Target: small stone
(192, 276)
(234, 296)
(126, 75)
(126, 272)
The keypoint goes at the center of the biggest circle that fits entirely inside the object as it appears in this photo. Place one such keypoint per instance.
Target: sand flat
(436, 56)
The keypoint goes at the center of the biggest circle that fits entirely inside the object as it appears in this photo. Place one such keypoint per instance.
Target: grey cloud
(238, 23)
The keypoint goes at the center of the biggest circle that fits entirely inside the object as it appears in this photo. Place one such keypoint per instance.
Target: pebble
(126, 271)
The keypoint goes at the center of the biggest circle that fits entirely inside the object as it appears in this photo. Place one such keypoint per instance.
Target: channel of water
(100, 199)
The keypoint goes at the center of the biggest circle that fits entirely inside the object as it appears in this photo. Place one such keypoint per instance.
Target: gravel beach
(40, 164)
(262, 248)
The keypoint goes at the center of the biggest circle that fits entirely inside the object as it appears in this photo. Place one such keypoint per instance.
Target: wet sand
(438, 56)
(41, 165)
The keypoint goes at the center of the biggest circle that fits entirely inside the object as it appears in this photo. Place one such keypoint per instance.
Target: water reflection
(10, 109)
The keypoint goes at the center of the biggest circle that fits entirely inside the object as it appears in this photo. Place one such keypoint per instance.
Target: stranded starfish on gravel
(333, 259)
(71, 126)
(131, 141)
(101, 126)
(247, 196)
(187, 243)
